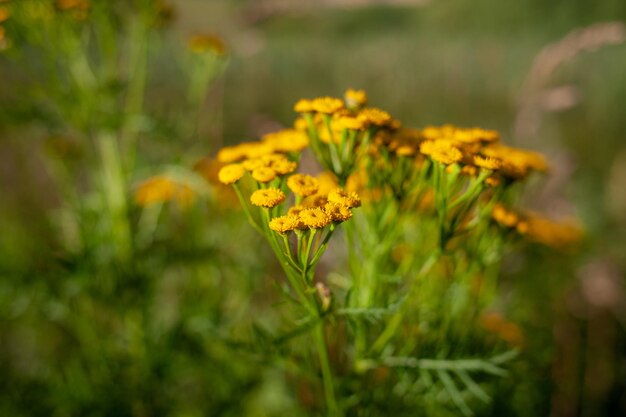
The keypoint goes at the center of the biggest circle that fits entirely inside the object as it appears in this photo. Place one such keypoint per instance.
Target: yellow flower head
(296, 210)
(300, 124)
(487, 162)
(287, 140)
(355, 98)
(441, 151)
(303, 106)
(375, 117)
(268, 197)
(338, 212)
(303, 185)
(264, 174)
(349, 122)
(504, 216)
(201, 44)
(284, 167)
(284, 224)
(5, 13)
(548, 232)
(327, 105)
(315, 218)
(160, 189)
(244, 150)
(516, 163)
(231, 173)
(252, 164)
(316, 200)
(73, 4)
(342, 197)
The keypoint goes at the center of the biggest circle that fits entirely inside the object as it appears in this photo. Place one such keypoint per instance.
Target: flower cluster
(537, 228)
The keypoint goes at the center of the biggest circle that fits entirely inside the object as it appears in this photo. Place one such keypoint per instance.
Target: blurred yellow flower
(355, 98)
(327, 105)
(230, 174)
(263, 174)
(160, 189)
(303, 185)
(442, 152)
(287, 140)
(202, 43)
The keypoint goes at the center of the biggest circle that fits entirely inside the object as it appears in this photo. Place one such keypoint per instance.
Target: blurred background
(82, 335)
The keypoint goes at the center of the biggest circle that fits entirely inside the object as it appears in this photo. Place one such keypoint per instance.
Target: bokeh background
(81, 336)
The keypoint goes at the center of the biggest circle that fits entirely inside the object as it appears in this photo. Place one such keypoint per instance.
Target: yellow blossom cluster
(537, 228)
(317, 212)
(160, 189)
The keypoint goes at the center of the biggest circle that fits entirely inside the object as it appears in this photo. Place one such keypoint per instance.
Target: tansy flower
(344, 198)
(231, 173)
(504, 216)
(487, 162)
(284, 167)
(200, 44)
(4, 14)
(375, 117)
(303, 106)
(327, 105)
(284, 224)
(349, 122)
(287, 140)
(161, 189)
(300, 124)
(315, 218)
(316, 200)
(269, 197)
(264, 174)
(516, 163)
(296, 210)
(441, 152)
(338, 212)
(303, 185)
(355, 98)
(252, 164)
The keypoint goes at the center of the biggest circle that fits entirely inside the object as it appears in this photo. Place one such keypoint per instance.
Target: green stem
(327, 376)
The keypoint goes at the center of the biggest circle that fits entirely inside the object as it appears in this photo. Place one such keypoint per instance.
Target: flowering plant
(423, 251)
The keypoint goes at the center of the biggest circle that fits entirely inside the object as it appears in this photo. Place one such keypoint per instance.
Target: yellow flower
(349, 122)
(264, 174)
(296, 210)
(548, 232)
(303, 185)
(303, 106)
(338, 212)
(73, 4)
(376, 117)
(230, 174)
(315, 218)
(202, 43)
(284, 167)
(355, 98)
(5, 13)
(287, 140)
(300, 124)
(442, 152)
(252, 164)
(342, 197)
(327, 105)
(516, 163)
(244, 150)
(316, 200)
(487, 162)
(161, 189)
(504, 216)
(268, 197)
(284, 224)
